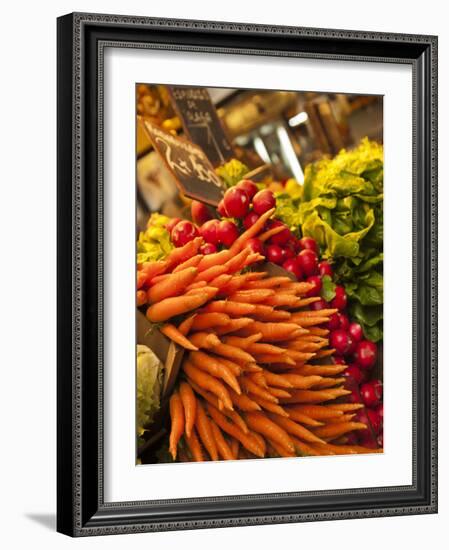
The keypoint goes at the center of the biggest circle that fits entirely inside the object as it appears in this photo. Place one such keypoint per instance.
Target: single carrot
(235, 309)
(159, 278)
(223, 448)
(307, 314)
(258, 378)
(252, 387)
(298, 356)
(211, 273)
(303, 448)
(186, 325)
(326, 383)
(235, 354)
(242, 343)
(315, 396)
(152, 269)
(311, 321)
(337, 429)
(209, 383)
(170, 331)
(269, 282)
(277, 450)
(234, 444)
(324, 353)
(221, 281)
(302, 418)
(218, 258)
(237, 261)
(278, 392)
(204, 430)
(252, 259)
(235, 282)
(191, 262)
(268, 358)
(259, 422)
(141, 298)
(183, 253)
(233, 367)
(317, 412)
(195, 446)
(204, 321)
(345, 407)
(277, 380)
(205, 340)
(263, 348)
(318, 331)
(141, 280)
(346, 417)
(268, 313)
(251, 232)
(209, 291)
(268, 405)
(208, 364)
(231, 429)
(270, 233)
(321, 370)
(243, 402)
(170, 307)
(252, 296)
(189, 403)
(292, 427)
(300, 382)
(234, 325)
(272, 332)
(196, 285)
(177, 423)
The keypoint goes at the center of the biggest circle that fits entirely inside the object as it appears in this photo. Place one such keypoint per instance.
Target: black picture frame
(81, 510)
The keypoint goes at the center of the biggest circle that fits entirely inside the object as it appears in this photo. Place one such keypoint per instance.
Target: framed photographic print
(247, 291)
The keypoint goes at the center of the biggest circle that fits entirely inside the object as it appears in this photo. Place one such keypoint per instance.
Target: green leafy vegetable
(342, 210)
(327, 289)
(149, 385)
(232, 172)
(154, 243)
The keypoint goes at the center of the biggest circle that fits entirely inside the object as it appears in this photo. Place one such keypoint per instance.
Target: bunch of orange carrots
(250, 386)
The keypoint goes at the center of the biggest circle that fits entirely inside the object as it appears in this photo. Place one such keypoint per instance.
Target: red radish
(314, 280)
(380, 411)
(354, 396)
(289, 252)
(183, 232)
(338, 320)
(275, 254)
(208, 248)
(307, 243)
(368, 440)
(325, 268)
(375, 419)
(250, 219)
(339, 360)
(221, 209)
(371, 393)
(283, 236)
(209, 231)
(249, 187)
(294, 243)
(263, 201)
(354, 372)
(256, 245)
(319, 304)
(200, 212)
(340, 340)
(365, 354)
(171, 224)
(236, 202)
(352, 439)
(340, 299)
(362, 417)
(356, 332)
(227, 232)
(292, 265)
(309, 262)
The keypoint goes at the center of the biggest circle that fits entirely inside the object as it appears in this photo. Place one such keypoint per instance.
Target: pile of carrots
(248, 386)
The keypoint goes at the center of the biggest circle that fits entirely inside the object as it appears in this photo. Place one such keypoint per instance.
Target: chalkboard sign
(201, 123)
(193, 172)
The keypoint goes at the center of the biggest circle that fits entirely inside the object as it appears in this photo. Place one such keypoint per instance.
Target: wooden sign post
(201, 123)
(192, 170)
